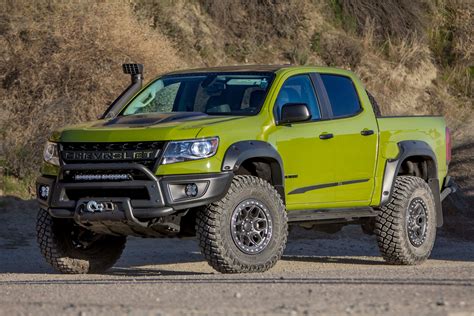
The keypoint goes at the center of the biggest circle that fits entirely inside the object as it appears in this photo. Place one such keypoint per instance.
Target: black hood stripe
(152, 119)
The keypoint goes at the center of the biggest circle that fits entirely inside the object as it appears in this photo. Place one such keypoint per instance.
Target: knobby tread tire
(215, 245)
(51, 236)
(391, 226)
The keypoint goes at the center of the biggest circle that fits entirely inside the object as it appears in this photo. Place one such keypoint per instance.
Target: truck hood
(142, 127)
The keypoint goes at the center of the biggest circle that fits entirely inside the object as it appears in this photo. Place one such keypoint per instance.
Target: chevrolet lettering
(117, 155)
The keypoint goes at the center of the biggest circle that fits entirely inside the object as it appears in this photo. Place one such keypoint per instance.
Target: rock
(440, 302)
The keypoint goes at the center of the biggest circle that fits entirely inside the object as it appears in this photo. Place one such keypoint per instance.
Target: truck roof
(261, 68)
(240, 68)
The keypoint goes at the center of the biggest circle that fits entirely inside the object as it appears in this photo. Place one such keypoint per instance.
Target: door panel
(356, 156)
(355, 141)
(307, 159)
(308, 162)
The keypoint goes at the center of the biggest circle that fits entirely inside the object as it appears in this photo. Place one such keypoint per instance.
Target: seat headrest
(256, 98)
(214, 101)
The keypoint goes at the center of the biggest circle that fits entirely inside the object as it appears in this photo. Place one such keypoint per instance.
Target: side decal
(325, 185)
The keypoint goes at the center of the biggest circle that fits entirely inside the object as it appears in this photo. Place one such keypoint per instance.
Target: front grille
(145, 153)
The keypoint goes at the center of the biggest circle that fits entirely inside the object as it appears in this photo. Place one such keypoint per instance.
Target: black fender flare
(241, 151)
(407, 149)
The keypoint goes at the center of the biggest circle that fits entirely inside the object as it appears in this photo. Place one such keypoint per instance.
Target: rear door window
(342, 95)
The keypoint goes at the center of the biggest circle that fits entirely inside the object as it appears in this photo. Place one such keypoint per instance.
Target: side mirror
(294, 112)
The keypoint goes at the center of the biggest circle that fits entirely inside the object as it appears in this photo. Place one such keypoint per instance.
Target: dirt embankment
(62, 60)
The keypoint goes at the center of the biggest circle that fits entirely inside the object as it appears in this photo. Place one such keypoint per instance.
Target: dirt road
(319, 274)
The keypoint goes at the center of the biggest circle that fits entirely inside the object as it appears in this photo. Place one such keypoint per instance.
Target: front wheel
(246, 231)
(406, 226)
(69, 248)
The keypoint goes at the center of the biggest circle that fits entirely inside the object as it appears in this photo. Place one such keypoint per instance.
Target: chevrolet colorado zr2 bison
(233, 155)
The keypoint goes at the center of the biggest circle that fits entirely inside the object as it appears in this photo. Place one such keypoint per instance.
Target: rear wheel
(246, 231)
(406, 226)
(72, 249)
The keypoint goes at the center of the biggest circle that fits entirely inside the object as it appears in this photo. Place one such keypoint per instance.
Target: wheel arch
(415, 158)
(257, 158)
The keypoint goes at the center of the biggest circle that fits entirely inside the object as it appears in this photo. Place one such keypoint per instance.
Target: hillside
(61, 61)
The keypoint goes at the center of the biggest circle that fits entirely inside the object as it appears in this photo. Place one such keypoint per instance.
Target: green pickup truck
(233, 155)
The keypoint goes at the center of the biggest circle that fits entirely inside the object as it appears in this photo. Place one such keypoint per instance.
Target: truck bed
(430, 129)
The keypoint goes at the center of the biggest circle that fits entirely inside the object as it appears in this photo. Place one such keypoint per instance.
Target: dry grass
(13, 186)
(62, 59)
(62, 66)
(230, 31)
(258, 22)
(452, 43)
(341, 50)
(391, 18)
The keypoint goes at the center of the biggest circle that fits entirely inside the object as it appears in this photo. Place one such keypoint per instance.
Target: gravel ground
(336, 274)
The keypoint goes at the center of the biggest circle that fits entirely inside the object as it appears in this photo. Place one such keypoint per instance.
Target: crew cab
(233, 155)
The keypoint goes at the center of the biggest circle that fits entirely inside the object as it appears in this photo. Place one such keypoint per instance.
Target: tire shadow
(20, 254)
(146, 272)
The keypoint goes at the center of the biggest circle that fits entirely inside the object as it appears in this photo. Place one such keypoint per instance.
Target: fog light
(185, 191)
(191, 190)
(44, 192)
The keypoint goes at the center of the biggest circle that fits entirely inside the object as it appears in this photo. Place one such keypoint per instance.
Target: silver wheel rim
(251, 226)
(417, 222)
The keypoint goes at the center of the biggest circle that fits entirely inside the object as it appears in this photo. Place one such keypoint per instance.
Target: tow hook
(98, 207)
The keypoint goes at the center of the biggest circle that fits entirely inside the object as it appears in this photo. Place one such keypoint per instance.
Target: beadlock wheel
(417, 222)
(246, 230)
(406, 226)
(251, 226)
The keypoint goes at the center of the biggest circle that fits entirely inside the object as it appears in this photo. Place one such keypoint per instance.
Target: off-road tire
(391, 226)
(54, 240)
(213, 227)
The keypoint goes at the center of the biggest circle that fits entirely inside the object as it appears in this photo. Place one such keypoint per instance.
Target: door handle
(366, 132)
(326, 136)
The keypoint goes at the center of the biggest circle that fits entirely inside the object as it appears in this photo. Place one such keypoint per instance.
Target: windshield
(210, 93)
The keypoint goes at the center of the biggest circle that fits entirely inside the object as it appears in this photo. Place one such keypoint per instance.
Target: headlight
(190, 150)
(50, 153)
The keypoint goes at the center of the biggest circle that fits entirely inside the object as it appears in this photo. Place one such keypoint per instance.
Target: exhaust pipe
(136, 73)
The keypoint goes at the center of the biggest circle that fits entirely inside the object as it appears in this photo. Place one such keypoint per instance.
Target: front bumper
(140, 200)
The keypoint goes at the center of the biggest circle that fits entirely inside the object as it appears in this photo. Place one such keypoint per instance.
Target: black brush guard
(154, 201)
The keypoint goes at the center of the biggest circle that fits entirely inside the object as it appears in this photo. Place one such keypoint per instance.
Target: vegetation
(14, 186)
(61, 60)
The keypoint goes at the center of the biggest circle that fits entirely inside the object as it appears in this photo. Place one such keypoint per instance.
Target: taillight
(448, 146)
